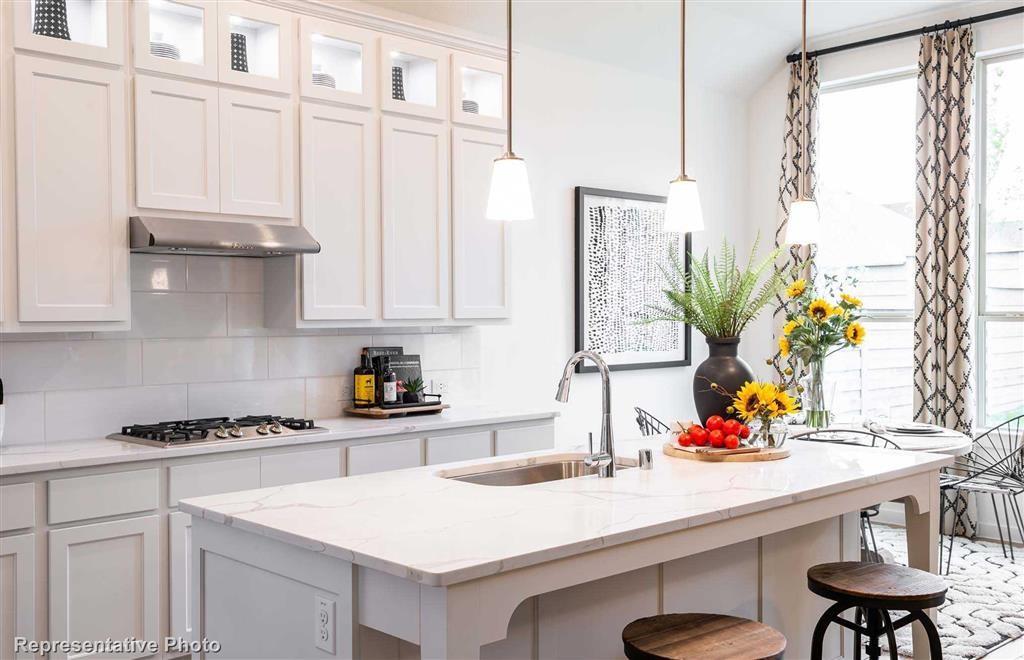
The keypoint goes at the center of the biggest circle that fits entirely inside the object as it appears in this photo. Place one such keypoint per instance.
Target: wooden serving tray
(386, 413)
(742, 455)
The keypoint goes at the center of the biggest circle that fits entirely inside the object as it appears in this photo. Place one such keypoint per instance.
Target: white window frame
(983, 315)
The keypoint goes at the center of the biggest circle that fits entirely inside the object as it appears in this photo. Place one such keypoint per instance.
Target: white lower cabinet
(104, 580)
(179, 525)
(17, 598)
(460, 447)
(524, 438)
(381, 456)
(299, 466)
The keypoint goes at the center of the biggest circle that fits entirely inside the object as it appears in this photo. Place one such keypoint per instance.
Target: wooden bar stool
(875, 590)
(701, 636)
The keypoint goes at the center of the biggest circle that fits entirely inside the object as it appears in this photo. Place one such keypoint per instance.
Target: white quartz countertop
(23, 459)
(416, 525)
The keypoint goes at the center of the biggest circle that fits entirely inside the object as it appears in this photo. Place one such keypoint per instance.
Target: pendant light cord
(803, 103)
(682, 89)
(508, 75)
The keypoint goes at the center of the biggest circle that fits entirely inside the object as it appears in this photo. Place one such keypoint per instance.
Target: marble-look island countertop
(417, 525)
(27, 458)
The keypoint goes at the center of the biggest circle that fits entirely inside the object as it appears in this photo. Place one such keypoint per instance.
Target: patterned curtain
(943, 299)
(799, 257)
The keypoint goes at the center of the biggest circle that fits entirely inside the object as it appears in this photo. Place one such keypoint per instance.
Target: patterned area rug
(984, 606)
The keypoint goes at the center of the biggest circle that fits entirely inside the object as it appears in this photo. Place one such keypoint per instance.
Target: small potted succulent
(413, 390)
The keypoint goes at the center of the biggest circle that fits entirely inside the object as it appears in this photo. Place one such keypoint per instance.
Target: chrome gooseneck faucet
(605, 458)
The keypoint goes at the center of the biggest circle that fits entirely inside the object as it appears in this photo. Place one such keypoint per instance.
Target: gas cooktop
(214, 429)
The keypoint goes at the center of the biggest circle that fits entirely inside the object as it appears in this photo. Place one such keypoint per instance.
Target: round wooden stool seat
(884, 586)
(703, 636)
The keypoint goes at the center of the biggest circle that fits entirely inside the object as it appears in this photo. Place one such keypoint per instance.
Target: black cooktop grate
(187, 430)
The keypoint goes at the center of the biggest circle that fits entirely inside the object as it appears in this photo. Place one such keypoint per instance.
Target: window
(999, 167)
(866, 188)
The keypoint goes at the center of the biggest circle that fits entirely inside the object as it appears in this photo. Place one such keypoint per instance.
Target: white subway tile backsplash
(158, 272)
(24, 419)
(325, 397)
(436, 350)
(203, 360)
(315, 356)
(64, 365)
(245, 315)
(463, 385)
(78, 414)
(157, 315)
(225, 274)
(285, 397)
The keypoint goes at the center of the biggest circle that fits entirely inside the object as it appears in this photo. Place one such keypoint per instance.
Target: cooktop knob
(236, 431)
(262, 429)
(276, 427)
(221, 432)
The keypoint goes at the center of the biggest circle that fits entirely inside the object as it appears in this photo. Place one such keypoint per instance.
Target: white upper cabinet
(413, 78)
(478, 91)
(95, 29)
(481, 282)
(339, 207)
(177, 37)
(177, 158)
(414, 218)
(339, 63)
(72, 189)
(254, 45)
(257, 142)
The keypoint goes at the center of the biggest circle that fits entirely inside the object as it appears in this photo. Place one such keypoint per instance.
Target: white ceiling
(733, 44)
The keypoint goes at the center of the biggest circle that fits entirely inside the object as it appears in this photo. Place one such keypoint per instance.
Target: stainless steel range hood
(212, 237)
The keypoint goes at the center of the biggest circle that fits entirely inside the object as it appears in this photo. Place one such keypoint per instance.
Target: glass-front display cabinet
(338, 62)
(478, 91)
(83, 29)
(413, 78)
(176, 36)
(254, 45)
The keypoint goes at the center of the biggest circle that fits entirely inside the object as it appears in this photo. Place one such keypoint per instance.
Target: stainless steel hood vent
(211, 237)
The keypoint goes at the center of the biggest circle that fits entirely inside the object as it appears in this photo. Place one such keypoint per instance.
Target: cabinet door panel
(381, 456)
(481, 277)
(257, 139)
(17, 599)
(72, 214)
(180, 558)
(415, 225)
(524, 438)
(103, 581)
(177, 159)
(300, 466)
(461, 447)
(191, 25)
(339, 207)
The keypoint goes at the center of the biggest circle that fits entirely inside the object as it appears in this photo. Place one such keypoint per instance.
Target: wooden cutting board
(386, 413)
(726, 455)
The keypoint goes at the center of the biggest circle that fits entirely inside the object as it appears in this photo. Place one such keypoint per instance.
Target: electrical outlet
(324, 632)
(439, 387)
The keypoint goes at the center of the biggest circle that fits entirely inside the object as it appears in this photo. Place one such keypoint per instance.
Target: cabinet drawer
(461, 447)
(299, 466)
(17, 506)
(381, 456)
(211, 478)
(526, 438)
(80, 498)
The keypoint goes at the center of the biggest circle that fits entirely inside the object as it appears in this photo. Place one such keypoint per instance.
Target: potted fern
(719, 299)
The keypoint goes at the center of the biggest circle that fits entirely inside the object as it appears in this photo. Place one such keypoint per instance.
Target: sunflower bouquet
(764, 402)
(819, 324)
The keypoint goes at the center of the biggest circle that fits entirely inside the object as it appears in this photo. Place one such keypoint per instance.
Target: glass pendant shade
(509, 197)
(803, 226)
(682, 213)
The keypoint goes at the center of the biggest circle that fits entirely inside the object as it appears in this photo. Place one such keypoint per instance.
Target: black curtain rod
(795, 57)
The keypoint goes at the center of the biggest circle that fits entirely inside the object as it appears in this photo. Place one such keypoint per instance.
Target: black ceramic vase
(723, 367)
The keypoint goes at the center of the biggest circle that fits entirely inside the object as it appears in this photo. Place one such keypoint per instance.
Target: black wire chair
(995, 467)
(871, 439)
(649, 424)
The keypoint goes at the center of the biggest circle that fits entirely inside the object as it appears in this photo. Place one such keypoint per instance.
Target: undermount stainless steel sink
(537, 473)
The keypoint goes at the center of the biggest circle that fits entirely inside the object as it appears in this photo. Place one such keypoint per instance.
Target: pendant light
(682, 213)
(803, 226)
(509, 197)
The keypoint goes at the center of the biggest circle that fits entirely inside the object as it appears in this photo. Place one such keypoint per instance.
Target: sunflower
(819, 310)
(853, 301)
(784, 404)
(748, 401)
(855, 333)
(783, 347)
(791, 326)
(797, 288)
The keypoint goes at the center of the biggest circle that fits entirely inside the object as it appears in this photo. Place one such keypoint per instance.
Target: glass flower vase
(815, 405)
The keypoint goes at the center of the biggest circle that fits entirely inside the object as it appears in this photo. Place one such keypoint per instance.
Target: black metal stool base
(877, 623)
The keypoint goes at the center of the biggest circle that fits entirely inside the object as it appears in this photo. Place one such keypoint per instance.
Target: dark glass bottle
(389, 382)
(363, 386)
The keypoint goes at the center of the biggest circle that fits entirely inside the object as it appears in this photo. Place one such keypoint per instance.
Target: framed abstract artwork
(620, 249)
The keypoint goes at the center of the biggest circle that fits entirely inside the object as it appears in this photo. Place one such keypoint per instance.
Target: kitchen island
(464, 570)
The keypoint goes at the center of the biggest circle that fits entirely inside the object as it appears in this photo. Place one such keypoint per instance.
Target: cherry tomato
(731, 427)
(699, 436)
(714, 423)
(694, 427)
(744, 431)
(684, 440)
(717, 439)
(732, 442)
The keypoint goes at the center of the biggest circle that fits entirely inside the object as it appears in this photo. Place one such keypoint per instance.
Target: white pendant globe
(509, 198)
(683, 213)
(803, 226)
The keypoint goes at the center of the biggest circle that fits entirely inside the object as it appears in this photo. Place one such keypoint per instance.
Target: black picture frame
(581, 193)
